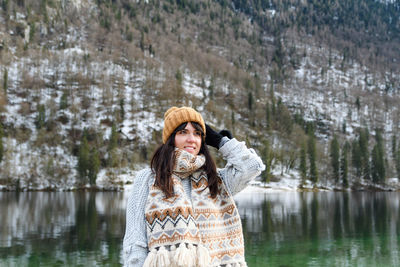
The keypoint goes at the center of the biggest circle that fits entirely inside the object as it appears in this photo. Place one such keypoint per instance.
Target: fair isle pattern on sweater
(201, 232)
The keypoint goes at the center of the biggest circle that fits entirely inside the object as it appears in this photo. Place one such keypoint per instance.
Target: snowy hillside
(92, 78)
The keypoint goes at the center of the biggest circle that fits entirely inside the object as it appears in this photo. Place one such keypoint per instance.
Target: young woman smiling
(181, 211)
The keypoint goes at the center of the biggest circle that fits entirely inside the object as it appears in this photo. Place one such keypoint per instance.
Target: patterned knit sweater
(243, 165)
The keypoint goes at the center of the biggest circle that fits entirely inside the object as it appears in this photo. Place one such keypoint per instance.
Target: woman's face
(189, 139)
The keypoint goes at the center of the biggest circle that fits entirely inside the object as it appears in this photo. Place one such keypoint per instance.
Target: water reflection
(321, 229)
(281, 229)
(61, 228)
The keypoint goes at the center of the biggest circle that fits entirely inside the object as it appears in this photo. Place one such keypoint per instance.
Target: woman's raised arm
(243, 165)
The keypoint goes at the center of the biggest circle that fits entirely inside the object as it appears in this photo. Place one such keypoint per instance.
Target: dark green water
(280, 229)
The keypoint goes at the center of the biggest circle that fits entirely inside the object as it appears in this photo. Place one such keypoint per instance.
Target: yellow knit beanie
(175, 116)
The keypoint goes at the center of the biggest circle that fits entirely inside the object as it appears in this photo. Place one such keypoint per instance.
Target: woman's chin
(191, 151)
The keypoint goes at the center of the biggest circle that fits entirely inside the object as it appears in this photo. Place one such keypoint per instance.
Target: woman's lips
(189, 148)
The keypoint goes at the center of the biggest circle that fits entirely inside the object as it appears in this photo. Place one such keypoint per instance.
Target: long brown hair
(162, 163)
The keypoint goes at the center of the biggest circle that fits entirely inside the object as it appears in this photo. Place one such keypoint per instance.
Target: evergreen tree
(268, 116)
(382, 155)
(179, 77)
(83, 159)
(64, 101)
(50, 169)
(122, 108)
(152, 51)
(211, 89)
(394, 146)
(378, 171)
(5, 81)
(250, 103)
(398, 163)
(113, 143)
(266, 159)
(303, 163)
(41, 117)
(5, 5)
(32, 31)
(94, 166)
(358, 105)
(335, 154)
(1, 143)
(356, 158)
(273, 101)
(43, 9)
(278, 57)
(233, 123)
(310, 128)
(284, 118)
(141, 43)
(364, 152)
(375, 164)
(203, 86)
(344, 166)
(312, 157)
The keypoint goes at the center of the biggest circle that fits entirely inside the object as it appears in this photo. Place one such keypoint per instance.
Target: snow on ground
(121, 178)
(191, 87)
(329, 97)
(285, 183)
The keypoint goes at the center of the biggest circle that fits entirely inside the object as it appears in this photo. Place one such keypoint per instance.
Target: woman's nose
(191, 137)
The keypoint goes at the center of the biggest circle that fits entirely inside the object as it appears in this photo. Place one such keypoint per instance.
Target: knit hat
(175, 116)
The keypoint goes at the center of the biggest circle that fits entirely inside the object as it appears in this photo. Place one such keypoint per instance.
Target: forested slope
(312, 85)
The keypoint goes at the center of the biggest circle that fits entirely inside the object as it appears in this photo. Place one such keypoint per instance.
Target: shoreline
(255, 186)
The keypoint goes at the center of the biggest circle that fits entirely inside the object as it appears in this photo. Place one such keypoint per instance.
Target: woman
(181, 211)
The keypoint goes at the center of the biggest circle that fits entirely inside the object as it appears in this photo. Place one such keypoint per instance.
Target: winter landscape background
(313, 86)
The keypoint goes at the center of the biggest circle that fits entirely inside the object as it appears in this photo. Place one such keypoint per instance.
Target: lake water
(280, 228)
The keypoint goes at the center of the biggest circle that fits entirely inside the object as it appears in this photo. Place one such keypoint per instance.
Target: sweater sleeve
(135, 240)
(243, 165)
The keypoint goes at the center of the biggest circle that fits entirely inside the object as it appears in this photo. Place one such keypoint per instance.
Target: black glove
(213, 138)
(226, 133)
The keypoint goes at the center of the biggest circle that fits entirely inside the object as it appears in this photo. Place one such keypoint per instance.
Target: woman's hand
(226, 133)
(213, 138)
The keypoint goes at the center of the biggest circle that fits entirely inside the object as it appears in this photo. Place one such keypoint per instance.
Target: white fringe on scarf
(183, 256)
